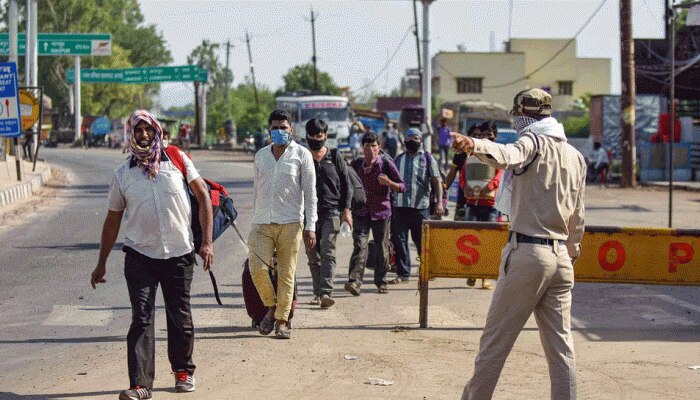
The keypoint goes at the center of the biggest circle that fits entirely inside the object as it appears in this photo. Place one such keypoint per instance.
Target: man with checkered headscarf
(148, 196)
(545, 178)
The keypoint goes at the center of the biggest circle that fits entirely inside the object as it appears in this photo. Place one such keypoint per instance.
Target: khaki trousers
(533, 278)
(263, 240)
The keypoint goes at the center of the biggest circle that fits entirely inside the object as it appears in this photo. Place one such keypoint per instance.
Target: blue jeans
(406, 220)
(482, 214)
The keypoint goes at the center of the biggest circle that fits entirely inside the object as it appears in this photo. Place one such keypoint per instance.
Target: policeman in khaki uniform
(536, 273)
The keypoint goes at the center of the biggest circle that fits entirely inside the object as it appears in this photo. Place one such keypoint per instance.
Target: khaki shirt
(547, 200)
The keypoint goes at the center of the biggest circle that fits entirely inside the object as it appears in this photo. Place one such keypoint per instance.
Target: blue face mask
(279, 136)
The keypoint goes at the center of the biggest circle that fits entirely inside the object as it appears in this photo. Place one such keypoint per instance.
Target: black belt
(520, 238)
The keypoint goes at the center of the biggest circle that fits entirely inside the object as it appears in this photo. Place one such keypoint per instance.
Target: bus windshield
(326, 114)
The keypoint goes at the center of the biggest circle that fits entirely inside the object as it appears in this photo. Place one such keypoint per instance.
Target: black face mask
(412, 146)
(315, 144)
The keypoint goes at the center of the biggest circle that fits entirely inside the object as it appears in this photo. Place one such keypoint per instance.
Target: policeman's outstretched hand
(98, 275)
(206, 251)
(461, 143)
(309, 239)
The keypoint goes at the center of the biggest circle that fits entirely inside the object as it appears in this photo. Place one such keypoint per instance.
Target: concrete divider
(23, 190)
(608, 255)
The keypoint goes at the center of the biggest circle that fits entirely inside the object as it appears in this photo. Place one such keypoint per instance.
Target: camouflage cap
(533, 101)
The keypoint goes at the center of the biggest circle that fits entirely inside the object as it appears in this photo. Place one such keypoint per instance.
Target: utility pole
(13, 20)
(627, 98)
(671, 31)
(510, 20)
(415, 33)
(252, 71)
(227, 83)
(427, 75)
(313, 42)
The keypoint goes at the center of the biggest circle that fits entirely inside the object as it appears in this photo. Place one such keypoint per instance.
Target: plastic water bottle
(345, 229)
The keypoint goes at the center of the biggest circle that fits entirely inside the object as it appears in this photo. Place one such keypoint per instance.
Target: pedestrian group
(310, 196)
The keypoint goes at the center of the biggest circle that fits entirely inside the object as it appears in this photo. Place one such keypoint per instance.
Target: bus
(334, 110)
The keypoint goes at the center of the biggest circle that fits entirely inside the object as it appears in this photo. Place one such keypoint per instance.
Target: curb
(676, 186)
(24, 190)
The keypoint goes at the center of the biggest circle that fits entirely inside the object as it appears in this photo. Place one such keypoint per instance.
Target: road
(62, 340)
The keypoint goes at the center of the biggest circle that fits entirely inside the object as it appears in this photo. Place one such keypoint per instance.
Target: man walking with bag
(334, 193)
(148, 192)
(284, 204)
(536, 272)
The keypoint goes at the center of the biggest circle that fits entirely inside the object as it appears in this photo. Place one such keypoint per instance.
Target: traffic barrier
(608, 255)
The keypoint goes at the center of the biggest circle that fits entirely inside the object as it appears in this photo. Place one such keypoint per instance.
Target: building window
(566, 87)
(469, 85)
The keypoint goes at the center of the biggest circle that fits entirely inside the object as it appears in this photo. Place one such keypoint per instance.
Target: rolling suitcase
(254, 304)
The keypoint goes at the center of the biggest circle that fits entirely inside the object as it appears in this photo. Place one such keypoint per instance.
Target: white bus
(333, 110)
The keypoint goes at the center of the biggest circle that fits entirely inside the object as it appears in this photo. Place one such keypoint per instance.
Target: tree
(301, 77)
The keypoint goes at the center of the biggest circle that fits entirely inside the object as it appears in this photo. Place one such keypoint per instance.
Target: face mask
(315, 144)
(166, 142)
(412, 146)
(279, 137)
(522, 122)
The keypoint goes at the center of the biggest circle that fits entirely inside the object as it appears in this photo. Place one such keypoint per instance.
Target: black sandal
(266, 326)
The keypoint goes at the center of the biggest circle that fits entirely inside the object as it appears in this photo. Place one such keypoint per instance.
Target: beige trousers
(263, 240)
(533, 278)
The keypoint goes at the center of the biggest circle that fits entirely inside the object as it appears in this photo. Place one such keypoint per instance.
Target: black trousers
(143, 275)
(358, 260)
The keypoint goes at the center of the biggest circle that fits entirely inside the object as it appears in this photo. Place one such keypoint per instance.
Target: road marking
(680, 303)
(69, 315)
(215, 317)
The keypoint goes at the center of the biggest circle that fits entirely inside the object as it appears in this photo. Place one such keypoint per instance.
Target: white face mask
(522, 122)
(166, 142)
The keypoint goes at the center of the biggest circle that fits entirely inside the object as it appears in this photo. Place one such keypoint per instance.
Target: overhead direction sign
(9, 101)
(141, 75)
(62, 44)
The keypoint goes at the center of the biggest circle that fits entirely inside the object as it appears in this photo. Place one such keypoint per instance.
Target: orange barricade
(608, 254)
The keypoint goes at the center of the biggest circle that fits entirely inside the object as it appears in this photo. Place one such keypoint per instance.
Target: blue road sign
(10, 124)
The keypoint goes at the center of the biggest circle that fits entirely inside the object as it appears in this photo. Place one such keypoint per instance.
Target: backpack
(359, 197)
(223, 212)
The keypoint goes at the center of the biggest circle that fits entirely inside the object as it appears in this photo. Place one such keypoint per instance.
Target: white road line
(680, 303)
(69, 315)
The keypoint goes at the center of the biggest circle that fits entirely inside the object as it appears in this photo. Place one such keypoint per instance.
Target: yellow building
(496, 77)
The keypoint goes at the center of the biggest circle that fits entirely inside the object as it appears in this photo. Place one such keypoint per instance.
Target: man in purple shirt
(379, 178)
(444, 141)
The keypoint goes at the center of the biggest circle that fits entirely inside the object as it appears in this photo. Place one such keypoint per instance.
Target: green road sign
(140, 75)
(62, 44)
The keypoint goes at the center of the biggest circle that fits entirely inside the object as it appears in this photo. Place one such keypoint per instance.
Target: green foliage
(583, 103)
(133, 44)
(301, 77)
(577, 127)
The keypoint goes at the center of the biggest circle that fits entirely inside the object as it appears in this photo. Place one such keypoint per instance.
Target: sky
(356, 39)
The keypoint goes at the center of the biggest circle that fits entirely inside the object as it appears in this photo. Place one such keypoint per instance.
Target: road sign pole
(13, 18)
(76, 97)
(18, 158)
